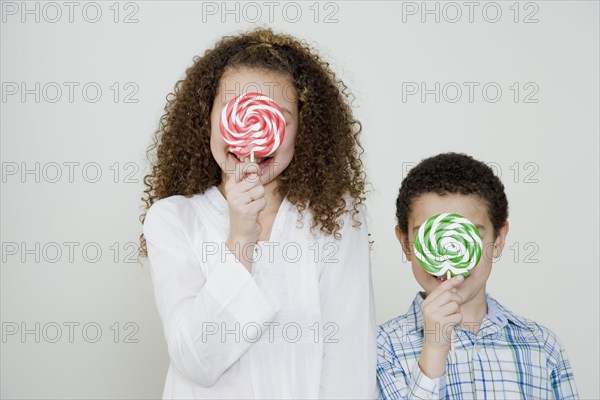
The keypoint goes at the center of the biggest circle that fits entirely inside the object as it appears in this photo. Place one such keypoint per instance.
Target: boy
(497, 354)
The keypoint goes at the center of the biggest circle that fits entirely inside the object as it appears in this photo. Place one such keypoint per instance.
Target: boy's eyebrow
(480, 227)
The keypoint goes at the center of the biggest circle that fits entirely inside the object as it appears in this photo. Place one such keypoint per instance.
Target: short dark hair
(453, 173)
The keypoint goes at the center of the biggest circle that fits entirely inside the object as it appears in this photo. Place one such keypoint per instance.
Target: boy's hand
(441, 313)
(246, 199)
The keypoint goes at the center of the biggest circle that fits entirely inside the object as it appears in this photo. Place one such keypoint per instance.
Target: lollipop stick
(452, 353)
(252, 156)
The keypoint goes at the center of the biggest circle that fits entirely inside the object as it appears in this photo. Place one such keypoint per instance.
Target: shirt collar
(415, 314)
(503, 315)
(497, 315)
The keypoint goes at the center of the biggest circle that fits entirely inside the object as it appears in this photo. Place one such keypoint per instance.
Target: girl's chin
(266, 168)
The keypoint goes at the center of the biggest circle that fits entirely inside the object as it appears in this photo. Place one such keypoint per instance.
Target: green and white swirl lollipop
(448, 244)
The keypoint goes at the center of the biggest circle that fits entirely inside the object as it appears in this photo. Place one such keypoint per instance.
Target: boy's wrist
(432, 361)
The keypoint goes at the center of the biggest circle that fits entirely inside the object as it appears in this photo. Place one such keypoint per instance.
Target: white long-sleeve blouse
(300, 325)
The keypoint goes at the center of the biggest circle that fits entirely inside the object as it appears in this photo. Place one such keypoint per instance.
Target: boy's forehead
(471, 206)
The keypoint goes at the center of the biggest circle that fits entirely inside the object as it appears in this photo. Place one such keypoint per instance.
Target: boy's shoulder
(508, 326)
(522, 330)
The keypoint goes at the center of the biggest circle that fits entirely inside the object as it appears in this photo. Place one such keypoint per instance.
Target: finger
(244, 174)
(456, 297)
(256, 193)
(257, 206)
(245, 170)
(250, 196)
(455, 318)
(439, 300)
(446, 286)
(240, 197)
(228, 179)
(455, 284)
(448, 309)
(445, 298)
(249, 183)
(250, 177)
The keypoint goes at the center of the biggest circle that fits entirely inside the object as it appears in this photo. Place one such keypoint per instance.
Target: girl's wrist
(237, 242)
(243, 249)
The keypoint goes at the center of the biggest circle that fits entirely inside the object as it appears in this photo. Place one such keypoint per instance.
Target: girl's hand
(245, 197)
(441, 313)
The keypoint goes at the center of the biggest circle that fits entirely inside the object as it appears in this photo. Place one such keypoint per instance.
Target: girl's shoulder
(183, 210)
(172, 205)
(355, 214)
(169, 213)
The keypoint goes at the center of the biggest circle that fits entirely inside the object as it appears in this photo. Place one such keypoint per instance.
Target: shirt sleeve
(347, 307)
(423, 387)
(203, 302)
(394, 383)
(561, 374)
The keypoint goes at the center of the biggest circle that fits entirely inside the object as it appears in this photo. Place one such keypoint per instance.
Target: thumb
(452, 283)
(456, 281)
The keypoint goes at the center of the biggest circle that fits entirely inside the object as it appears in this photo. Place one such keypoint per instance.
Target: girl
(261, 270)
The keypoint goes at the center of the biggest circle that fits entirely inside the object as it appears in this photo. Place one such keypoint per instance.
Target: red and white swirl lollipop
(252, 124)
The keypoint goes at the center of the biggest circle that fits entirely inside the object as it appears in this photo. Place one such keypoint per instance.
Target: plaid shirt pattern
(510, 357)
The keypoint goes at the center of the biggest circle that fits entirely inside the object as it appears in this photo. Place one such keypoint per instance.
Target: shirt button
(476, 349)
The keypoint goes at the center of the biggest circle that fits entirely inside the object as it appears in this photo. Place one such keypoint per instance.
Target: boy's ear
(500, 240)
(406, 245)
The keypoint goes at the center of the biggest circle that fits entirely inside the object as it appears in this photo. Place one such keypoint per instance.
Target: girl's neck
(274, 198)
(266, 218)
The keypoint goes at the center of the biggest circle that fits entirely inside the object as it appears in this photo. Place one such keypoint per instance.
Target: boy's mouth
(442, 278)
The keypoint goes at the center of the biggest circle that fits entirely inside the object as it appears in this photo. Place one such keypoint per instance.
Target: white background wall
(546, 152)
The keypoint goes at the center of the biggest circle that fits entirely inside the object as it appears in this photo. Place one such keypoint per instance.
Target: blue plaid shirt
(510, 357)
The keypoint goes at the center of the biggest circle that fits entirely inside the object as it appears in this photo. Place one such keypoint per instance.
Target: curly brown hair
(453, 173)
(326, 165)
